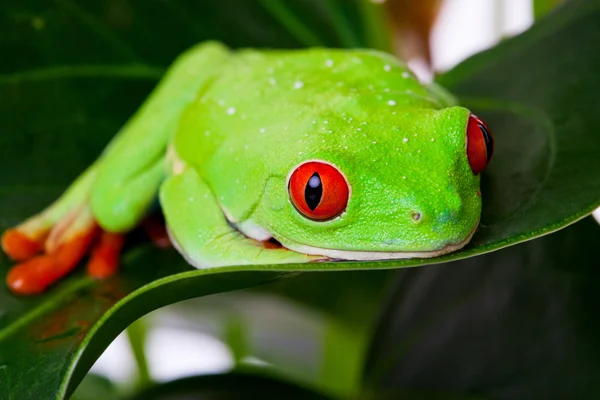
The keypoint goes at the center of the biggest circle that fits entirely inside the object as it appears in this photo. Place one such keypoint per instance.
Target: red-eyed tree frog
(335, 154)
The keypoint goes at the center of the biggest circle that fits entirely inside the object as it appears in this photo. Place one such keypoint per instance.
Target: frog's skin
(218, 141)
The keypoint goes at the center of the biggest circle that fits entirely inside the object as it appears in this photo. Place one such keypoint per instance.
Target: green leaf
(537, 94)
(74, 72)
(520, 323)
(232, 386)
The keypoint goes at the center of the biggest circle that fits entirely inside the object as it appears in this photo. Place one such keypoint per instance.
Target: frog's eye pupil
(318, 190)
(313, 191)
(480, 144)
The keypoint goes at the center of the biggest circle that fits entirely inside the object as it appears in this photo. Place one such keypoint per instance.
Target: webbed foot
(46, 253)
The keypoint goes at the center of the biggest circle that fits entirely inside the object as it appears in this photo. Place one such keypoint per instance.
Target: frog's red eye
(480, 144)
(318, 190)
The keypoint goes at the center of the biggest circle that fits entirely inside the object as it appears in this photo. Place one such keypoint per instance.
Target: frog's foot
(49, 253)
(156, 229)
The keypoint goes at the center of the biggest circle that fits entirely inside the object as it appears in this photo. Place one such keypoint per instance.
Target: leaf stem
(137, 334)
(375, 25)
(288, 20)
(340, 22)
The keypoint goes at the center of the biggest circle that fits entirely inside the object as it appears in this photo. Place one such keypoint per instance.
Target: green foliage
(72, 73)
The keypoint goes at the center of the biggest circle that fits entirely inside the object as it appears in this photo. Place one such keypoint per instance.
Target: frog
(269, 157)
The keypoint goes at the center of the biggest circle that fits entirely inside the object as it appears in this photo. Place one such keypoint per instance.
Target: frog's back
(263, 97)
(281, 105)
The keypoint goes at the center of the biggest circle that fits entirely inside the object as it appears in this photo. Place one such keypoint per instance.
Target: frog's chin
(377, 255)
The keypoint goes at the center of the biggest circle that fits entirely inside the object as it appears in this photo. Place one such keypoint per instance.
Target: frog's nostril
(416, 216)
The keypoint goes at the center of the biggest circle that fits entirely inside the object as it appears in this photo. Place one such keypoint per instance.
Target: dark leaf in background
(520, 323)
(235, 386)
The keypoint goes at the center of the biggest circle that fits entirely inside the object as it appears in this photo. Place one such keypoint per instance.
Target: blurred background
(178, 347)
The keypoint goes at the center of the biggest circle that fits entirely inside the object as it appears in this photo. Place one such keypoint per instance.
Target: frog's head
(398, 186)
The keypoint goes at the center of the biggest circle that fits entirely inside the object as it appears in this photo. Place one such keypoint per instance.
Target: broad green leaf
(234, 386)
(536, 93)
(72, 73)
(520, 323)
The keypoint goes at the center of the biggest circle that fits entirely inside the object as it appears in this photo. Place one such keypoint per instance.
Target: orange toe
(33, 276)
(104, 260)
(18, 246)
(157, 232)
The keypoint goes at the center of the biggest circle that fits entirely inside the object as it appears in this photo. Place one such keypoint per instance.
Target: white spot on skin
(272, 81)
(325, 122)
(391, 102)
(262, 130)
(403, 177)
(358, 129)
(387, 67)
(206, 133)
(433, 139)
(406, 75)
(405, 140)
(298, 85)
(374, 142)
(299, 152)
(231, 110)
(329, 63)
(220, 102)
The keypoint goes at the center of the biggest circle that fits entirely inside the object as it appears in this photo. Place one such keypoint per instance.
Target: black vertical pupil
(313, 191)
(489, 141)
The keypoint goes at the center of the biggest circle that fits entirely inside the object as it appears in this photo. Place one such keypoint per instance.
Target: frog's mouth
(377, 255)
(259, 234)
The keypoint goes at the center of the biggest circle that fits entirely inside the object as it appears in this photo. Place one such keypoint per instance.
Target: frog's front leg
(115, 193)
(199, 229)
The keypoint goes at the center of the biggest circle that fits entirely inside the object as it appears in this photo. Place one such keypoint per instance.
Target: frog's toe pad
(104, 260)
(18, 246)
(36, 274)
